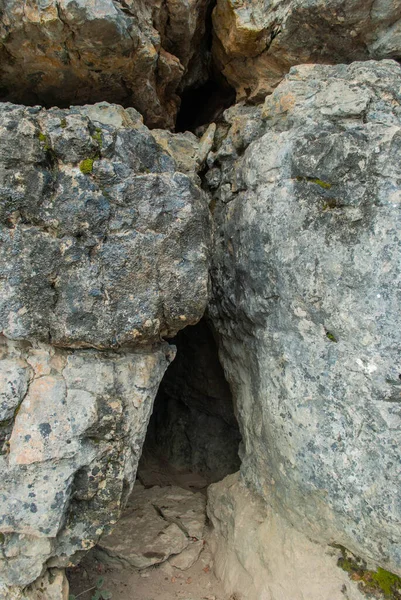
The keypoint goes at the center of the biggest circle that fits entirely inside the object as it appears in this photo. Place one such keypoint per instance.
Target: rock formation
(104, 244)
(135, 53)
(257, 41)
(108, 231)
(306, 277)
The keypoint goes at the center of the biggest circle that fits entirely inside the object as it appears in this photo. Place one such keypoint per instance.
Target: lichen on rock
(320, 421)
(104, 251)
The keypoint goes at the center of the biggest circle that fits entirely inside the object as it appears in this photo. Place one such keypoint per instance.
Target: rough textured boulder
(103, 241)
(306, 282)
(70, 451)
(104, 250)
(135, 53)
(257, 41)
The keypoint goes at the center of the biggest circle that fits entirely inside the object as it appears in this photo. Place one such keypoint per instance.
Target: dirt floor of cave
(161, 582)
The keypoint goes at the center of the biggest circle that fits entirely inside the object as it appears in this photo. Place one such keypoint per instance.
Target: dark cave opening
(201, 105)
(193, 434)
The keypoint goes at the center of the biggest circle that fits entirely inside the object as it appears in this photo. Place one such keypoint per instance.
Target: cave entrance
(160, 546)
(193, 435)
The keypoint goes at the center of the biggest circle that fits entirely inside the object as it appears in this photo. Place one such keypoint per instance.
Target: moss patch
(323, 184)
(377, 584)
(63, 123)
(86, 166)
(97, 136)
(330, 336)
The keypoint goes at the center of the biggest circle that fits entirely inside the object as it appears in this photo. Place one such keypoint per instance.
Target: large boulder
(257, 41)
(70, 451)
(306, 283)
(103, 241)
(76, 51)
(104, 250)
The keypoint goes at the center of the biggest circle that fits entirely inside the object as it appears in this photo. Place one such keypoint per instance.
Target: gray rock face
(135, 53)
(306, 284)
(257, 41)
(103, 241)
(70, 461)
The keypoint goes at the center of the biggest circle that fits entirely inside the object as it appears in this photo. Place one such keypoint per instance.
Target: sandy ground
(163, 582)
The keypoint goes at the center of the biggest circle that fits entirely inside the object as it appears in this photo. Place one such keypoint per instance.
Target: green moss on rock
(330, 336)
(97, 136)
(379, 584)
(86, 166)
(323, 184)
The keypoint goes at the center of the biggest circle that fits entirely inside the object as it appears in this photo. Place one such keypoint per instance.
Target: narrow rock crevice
(193, 435)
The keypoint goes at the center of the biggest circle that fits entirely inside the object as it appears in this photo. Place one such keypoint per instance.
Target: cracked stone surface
(104, 249)
(257, 41)
(306, 277)
(71, 453)
(103, 241)
(134, 53)
(157, 523)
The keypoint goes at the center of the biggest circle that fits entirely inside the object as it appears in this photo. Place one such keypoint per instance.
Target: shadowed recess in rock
(204, 104)
(193, 428)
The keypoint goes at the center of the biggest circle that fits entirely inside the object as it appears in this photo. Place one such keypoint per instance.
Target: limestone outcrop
(109, 224)
(104, 250)
(130, 52)
(104, 241)
(306, 278)
(257, 41)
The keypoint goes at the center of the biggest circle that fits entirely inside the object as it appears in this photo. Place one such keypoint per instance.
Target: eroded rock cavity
(193, 427)
(134, 53)
(107, 236)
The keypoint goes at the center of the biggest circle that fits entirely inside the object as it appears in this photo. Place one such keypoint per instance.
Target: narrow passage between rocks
(159, 548)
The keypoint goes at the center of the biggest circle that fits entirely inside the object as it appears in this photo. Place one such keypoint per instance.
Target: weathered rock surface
(156, 524)
(306, 281)
(52, 586)
(258, 555)
(135, 53)
(103, 241)
(104, 244)
(70, 460)
(257, 41)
